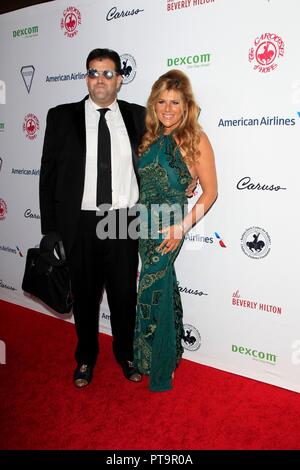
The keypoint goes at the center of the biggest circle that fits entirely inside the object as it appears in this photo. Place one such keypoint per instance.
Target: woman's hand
(189, 192)
(174, 235)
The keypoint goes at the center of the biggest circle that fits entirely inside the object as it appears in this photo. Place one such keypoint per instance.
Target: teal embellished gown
(164, 178)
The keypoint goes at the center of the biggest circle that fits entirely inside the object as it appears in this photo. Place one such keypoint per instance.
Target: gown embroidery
(164, 178)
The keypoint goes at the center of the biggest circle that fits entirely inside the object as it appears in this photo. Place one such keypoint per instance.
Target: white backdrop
(238, 270)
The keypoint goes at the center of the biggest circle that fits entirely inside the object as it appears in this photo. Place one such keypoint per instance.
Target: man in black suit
(89, 158)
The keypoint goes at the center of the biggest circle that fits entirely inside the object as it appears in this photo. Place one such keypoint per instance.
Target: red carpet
(208, 409)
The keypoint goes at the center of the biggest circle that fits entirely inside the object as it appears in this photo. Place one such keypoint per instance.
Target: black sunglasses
(108, 74)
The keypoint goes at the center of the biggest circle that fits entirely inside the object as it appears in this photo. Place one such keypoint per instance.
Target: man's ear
(120, 82)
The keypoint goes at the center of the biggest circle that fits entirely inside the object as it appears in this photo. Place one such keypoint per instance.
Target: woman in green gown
(174, 150)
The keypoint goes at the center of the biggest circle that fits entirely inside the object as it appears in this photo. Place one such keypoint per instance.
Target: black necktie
(104, 161)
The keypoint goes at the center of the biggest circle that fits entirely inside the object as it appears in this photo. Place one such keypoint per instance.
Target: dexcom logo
(257, 355)
(28, 32)
(191, 60)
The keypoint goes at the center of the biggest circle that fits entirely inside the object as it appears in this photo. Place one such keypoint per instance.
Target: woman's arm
(205, 170)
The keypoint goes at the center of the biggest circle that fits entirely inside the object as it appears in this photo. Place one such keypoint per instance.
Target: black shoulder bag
(47, 276)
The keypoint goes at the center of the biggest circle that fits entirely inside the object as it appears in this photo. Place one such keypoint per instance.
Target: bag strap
(50, 242)
(62, 252)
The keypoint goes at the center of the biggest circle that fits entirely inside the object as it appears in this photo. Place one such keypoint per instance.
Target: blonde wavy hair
(188, 132)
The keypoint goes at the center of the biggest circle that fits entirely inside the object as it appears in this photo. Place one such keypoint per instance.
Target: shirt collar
(113, 106)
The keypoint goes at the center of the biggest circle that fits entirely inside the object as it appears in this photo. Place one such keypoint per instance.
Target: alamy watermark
(146, 222)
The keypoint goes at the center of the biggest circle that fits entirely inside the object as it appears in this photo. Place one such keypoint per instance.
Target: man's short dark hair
(100, 54)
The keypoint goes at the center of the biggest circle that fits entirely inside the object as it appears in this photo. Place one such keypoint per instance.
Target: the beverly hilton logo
(27, 72)
(31, 126)
(3, 209)
(267, 49)
(128, 68)
(70, 21)
(191, 339)
(256, 242)
(173, 5)
(243, 303)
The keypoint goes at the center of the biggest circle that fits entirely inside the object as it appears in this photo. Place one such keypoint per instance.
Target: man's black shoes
(130, 372)
(83, 375)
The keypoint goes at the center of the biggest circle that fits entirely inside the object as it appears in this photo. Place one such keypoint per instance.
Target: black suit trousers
(94, 264)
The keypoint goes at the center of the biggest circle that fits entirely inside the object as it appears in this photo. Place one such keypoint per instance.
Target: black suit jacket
(63, 164)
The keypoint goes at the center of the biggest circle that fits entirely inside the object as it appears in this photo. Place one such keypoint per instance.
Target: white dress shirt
(125, 191)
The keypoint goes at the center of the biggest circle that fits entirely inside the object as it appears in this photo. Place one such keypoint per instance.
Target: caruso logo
(128, 70)
(238, 301)
(28, 214)
(196, 60)
(114, 14)
(173, 5)
(263, 121)
(247, 183)
(187, 290)
(254, 354)
(31, 126)
(191, 339)
(27, 72)
(3, 209)
(28, 32)
(70, 22)
(267, 49)
(3, 285)
(256, 242)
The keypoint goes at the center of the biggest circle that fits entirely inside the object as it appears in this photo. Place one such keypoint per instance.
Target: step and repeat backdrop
(238, 271)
